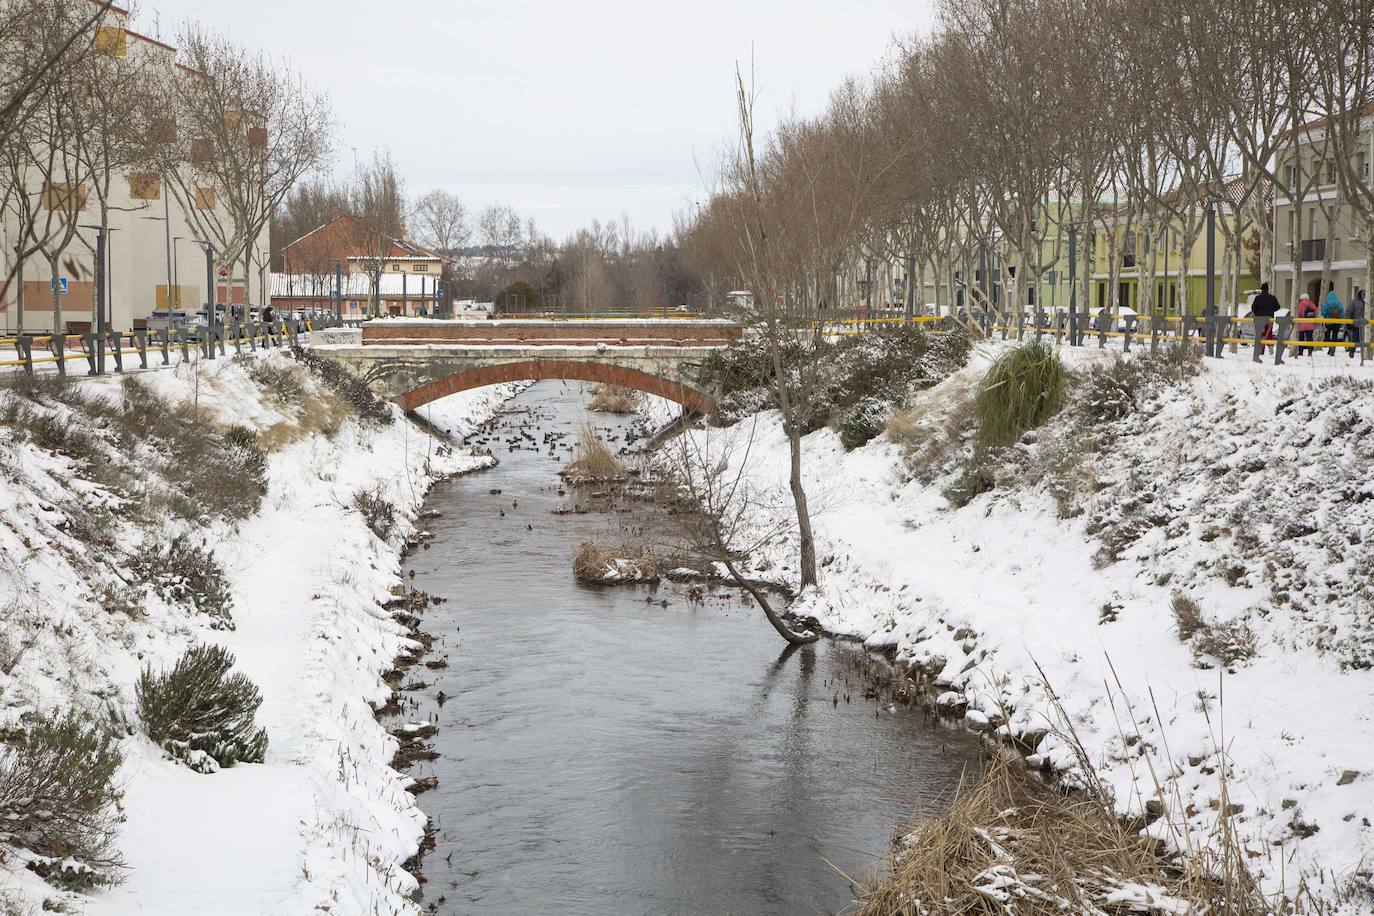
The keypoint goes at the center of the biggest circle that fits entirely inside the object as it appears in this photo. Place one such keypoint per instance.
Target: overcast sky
(567, 111)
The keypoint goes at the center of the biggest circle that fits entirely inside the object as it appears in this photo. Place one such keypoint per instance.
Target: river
(608, 750)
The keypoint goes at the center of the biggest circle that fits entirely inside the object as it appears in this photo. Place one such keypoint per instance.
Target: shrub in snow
(377, 512)
(273, 377)
(186, 574)
(58, 800)
(200, 713)
(1022, 389)
(365, 403)
(251, 456)
(1187, 616)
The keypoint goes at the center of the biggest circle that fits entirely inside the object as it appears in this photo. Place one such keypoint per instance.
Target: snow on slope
(324, 825)
(1246, 489)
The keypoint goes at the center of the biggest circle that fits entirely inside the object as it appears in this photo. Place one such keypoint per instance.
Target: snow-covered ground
(324, 824)
(1246, 489)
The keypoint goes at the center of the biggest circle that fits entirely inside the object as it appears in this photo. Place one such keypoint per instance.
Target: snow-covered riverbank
(324, 824)
(1244, 490)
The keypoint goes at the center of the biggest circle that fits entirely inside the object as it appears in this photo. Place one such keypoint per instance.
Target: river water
(602, 753)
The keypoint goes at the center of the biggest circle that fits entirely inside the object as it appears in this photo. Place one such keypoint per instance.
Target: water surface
(603, 753)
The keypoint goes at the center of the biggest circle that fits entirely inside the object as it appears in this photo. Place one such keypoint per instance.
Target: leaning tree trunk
(761, 598)
(804, 533)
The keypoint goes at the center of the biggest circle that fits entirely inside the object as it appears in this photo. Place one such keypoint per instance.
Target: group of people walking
(1266, 306)
(1331, 307)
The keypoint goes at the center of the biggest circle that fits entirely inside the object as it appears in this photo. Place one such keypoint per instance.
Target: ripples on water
(603, 754)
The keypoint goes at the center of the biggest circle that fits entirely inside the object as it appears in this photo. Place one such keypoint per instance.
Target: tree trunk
(804, 534)
(57, 326)
(761, 598)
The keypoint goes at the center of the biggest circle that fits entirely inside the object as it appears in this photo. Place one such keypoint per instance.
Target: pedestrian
(1355, 313)
(1332, 309)
(269, 314)
(1306, 309)
(1265, 306)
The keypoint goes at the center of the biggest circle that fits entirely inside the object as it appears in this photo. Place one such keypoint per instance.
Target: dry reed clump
(1187, 616)
(932, 433)
(602, 565)
(592, 459)
(613, 399)
(1010, 844)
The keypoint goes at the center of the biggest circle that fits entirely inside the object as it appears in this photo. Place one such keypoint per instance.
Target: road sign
(59, 284)
(224, 272)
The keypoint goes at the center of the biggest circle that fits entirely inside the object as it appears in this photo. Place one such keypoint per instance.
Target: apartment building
(153, 259)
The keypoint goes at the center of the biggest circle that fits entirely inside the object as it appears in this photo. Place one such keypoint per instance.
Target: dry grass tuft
(604, 565)
(1011, 844)
(593, 459)
(1187, 616)
(614, 399)
(932, 432)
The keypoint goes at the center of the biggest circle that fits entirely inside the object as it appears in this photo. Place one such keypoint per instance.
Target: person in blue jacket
(1332, 308)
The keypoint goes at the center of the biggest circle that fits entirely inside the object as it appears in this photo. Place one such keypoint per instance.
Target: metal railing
(114, 347)
(1213, 333)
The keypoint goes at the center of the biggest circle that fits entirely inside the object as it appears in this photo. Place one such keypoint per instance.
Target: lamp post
(99, 296)
(209, 296)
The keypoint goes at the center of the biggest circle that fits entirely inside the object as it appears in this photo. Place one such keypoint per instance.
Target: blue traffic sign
(59, 284)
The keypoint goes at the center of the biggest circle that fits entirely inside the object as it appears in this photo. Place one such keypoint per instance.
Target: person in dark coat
(1356, 313)
(1265, 306)
(1332, 309)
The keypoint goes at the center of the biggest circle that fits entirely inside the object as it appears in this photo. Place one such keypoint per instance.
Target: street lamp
(100, 233)
(209, 296)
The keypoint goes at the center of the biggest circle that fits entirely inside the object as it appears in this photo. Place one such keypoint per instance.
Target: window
(111, 41)
(145, 186)
(421, 268)
(202, 151)
(1290, 175)
(64, 196)
(205, 198)
(1330, 171)
(1311, 222)
(1364, 166)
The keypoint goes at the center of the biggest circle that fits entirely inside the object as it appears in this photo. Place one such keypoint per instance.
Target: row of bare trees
(970, 154)
(980, 144)
(95, 118)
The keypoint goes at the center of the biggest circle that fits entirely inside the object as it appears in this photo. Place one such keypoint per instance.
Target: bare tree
(440, 221)
(249, 130)
(730, 518)
(377, 206)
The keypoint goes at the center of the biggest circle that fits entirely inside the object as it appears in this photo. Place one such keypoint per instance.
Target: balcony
(1313, 250)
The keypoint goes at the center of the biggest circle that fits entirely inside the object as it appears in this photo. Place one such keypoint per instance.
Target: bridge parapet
(623, 332)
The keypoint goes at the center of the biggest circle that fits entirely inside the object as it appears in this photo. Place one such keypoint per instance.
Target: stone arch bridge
(418, 361)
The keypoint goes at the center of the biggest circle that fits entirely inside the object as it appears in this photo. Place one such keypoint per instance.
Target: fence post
(166, 346)
(185, 351)
(116, 350)
(141, 341)
(1103, 317)
(1281, 338)
(236, 329)
(1156, 329)
(1362, 338)
(24, 343)
(1259, 337)
(57, 346)
(89, 341)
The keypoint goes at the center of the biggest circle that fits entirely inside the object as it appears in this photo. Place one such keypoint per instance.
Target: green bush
(186, 574)
(200, 713)
(1024, 388)
(58, 800)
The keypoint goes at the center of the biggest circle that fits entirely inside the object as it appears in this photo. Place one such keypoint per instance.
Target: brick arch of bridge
(536, 369)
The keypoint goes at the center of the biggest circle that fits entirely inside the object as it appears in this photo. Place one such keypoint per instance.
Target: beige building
(1320, 236)
(152, 259)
